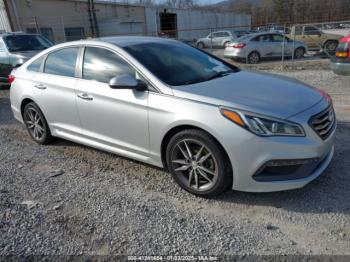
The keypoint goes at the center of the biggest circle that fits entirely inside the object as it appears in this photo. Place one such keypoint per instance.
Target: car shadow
(6, 115)
(330, 193)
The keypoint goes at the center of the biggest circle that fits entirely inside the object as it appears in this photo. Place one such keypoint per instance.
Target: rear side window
(36, 65)
(262, 38)
(310, 30)
(343, 45)
(102, 65)
(62, 62)
(278, 38)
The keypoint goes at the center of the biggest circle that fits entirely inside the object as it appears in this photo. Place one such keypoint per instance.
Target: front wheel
(200, 45)
(299, 53)
(36, 124)
(198, 164)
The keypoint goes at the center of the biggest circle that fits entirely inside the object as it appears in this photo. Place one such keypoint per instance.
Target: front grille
(324, 122)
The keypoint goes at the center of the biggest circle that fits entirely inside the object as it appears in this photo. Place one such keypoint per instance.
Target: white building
(64, 20)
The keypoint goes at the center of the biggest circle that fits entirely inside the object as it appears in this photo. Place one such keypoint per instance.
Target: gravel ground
(67, 199)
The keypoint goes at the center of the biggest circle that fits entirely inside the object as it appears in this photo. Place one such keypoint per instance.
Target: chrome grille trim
(324, 123)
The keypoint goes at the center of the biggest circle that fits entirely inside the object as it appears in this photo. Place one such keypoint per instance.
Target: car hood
(262, 93)
(26, 55)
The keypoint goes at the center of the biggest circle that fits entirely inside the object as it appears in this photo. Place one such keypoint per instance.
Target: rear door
(264, 45)
(313, 37)
(279, 44)
(55, 93)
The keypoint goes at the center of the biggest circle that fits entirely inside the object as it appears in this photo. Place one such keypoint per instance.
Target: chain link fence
(279, 46)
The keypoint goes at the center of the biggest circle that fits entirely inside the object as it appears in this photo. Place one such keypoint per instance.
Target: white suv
(216, 39)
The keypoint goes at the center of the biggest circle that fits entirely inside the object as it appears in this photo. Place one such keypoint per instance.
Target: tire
(299, 53)
(200, 45)
(36, 124)
(253, 58)
(330, 46)
(205, 172)
(227, 42)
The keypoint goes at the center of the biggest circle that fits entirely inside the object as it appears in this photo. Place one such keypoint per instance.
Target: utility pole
(92, 28)
(97, 31)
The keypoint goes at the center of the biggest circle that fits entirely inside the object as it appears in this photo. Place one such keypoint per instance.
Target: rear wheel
(198, 164)
(330, 46)
(299, 53)
(226, 43)
(253, 58)
(36, 124)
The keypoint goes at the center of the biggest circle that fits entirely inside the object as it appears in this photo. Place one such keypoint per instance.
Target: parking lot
(67, 199)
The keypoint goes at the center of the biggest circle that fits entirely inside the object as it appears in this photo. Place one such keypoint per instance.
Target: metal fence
(280, 47)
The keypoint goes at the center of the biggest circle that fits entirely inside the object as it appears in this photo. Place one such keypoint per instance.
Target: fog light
(296, 162)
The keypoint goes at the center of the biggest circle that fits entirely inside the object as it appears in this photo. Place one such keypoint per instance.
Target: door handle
(40, 86)
(85, 96)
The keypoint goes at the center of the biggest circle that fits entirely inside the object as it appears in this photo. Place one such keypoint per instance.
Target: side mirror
(127, 81)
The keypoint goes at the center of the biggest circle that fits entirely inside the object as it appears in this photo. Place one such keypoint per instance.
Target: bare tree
(183, 4)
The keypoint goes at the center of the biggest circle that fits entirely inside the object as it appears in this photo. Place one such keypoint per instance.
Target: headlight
(262, 125)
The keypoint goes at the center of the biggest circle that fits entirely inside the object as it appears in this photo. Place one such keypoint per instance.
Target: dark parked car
(340, 63)
(16, 48)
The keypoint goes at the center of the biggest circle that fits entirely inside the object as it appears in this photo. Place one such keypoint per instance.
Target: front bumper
(340, 68)
(250, 158)
(4, 80)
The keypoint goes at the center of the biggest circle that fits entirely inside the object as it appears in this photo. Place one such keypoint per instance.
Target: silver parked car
(252, 48)
(16, 48)
(216, 39)
(160, 101)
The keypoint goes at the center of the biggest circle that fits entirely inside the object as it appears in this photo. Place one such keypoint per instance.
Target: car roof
(123, 41)
(264, 33)
(15, 33)
(222, 31)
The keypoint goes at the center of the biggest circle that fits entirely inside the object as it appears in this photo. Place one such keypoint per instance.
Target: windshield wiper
(195, 81)
(221, 74)
(216, 75)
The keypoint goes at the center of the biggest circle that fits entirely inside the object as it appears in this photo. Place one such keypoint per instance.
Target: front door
(114, 119)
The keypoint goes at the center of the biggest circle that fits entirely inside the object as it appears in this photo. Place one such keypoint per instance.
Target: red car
(340, 63)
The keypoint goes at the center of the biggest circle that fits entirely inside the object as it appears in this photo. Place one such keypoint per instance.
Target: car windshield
(245, 37)
(16, 43)
(177, 64)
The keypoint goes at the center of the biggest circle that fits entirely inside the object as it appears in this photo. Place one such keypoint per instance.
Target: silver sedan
(162, 102)
(252, 48)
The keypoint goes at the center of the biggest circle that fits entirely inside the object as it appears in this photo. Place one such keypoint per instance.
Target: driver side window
(102, 65)
(309, 30)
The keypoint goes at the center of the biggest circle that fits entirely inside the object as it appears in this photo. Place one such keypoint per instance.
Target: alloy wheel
(331, 46)
(299, 53)
(254, 58)
(34, 123)
(194, 164)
